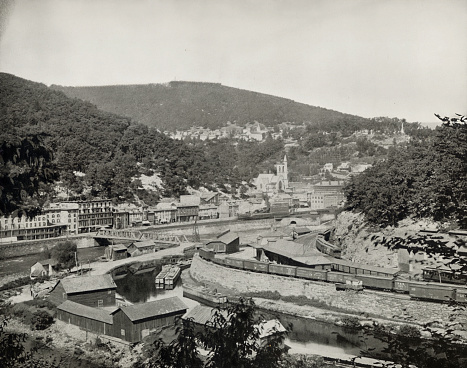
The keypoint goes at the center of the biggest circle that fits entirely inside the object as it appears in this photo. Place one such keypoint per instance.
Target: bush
(41, 320)
(351, 323)
(40, 303)
(409, 331)
(22, 281)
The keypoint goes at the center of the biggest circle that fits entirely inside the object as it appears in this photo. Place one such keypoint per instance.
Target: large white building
(270, 183)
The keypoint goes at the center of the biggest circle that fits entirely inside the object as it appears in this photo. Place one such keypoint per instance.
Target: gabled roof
(208, 196)
(153, 309)
(119, 247)
(47, 262)
(202, 314)
(144, 244)
(226, 238)
(85, 311)
(88, 283)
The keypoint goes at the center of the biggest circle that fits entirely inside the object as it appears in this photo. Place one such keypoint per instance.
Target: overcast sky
(404, 58)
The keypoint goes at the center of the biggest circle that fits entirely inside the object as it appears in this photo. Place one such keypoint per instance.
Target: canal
(305, 336)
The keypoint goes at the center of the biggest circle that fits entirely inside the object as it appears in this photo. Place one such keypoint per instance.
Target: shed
(93, 291)
(141, 247)
(135, 322)
(95, 320)
(43, 268)
(116, 251)
(226, 242)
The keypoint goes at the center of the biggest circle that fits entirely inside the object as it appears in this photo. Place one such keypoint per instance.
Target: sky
(395, 58)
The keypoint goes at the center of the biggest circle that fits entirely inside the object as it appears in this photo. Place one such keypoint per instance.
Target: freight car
(417, 290)
(207, 254)
(327, 248)
(444, 275)
(431, 292)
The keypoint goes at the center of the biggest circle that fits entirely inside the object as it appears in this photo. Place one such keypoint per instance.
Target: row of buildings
(250, 132)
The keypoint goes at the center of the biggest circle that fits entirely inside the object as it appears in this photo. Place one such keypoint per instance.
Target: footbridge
(137, 235)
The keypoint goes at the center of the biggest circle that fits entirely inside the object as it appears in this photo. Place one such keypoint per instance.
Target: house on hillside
(93, 291)
(210, 198)
(135, 322)
(44, 268)
(142, 247)
(226, 242)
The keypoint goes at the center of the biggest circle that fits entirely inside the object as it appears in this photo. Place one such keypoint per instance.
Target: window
(109, 292)
(100, 303)
(122, 332)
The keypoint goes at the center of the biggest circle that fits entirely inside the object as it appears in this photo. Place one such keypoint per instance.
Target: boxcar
(335, 277)
(376, 282)
(235, 263)
(461, 295)
(206, 253)
(433, 292)
(311, 273)
(401, 286)
(282, 270)
(256, 266)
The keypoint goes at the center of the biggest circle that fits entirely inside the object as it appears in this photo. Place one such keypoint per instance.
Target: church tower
(282, 174)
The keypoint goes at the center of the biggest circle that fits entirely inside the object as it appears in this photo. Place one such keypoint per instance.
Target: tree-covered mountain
(180, 105)
(111, 150)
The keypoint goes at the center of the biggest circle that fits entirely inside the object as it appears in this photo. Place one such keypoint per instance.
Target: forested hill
(180, 105)
(110, 150)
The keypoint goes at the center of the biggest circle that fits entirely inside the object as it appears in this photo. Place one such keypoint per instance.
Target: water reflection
(140, 288)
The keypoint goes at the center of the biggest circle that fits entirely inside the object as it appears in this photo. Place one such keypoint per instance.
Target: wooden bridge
(137, 235)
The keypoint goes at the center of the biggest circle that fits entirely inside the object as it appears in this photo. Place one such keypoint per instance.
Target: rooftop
(85, 311)
(152, 309)
(88, 283)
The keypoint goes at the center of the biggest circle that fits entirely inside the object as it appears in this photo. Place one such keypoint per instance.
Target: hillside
(180, 105)
(111, 150)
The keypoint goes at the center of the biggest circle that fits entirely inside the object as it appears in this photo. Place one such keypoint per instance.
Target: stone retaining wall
(27, 247)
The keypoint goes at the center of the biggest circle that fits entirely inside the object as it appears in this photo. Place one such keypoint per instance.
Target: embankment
(367, 303)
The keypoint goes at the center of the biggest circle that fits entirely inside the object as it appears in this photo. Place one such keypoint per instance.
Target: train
(419, 290)
(327, 248)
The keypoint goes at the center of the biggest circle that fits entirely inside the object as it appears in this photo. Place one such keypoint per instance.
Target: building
(164, 213)
(87, 318)
(227, 209)
(270, 183)
(135, 322)
(56, 219)
(210, 198)
(115, 252)
(93, 291)
(121, 219)
(94, 214)
(226, 242)
(43, 268)
(187, 212)
(207, 211)
(142, 247)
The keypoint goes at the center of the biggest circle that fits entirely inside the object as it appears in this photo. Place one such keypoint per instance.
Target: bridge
(137, 235)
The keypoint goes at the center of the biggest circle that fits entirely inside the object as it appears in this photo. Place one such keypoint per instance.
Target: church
(270, 183)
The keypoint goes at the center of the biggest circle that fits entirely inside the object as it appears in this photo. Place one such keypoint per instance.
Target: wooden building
(142, 247)
(44, 268)
(116, 251)
(93, 291)
(133, 323)
(95, 320)
(226, 242)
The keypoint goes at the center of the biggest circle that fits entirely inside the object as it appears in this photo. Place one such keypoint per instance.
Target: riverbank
(319, 300)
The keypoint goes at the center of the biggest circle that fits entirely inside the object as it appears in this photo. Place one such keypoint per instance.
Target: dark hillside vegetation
(110, 150)
(181, 105)
(425, 179)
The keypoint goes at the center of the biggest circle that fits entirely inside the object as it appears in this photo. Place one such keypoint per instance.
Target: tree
(231, 337)
(64, 254)
(12, 350)
(25, 165)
